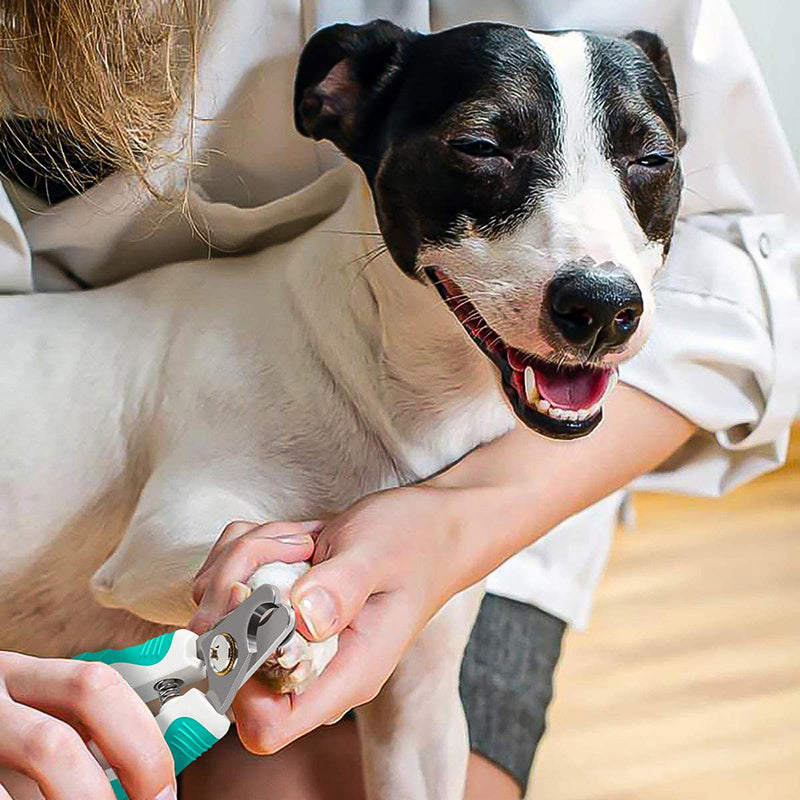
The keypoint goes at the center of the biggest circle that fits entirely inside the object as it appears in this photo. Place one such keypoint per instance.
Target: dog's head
(531, 178)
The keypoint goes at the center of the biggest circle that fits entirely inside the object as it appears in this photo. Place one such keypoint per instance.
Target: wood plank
(687, 685)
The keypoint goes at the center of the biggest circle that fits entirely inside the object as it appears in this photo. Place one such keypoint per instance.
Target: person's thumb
(330, 595)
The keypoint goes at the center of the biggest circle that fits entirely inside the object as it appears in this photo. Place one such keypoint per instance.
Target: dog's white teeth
(555, 412)
(569, 414)
(531, 390)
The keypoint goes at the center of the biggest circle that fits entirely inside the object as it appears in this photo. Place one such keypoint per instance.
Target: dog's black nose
(594, 307)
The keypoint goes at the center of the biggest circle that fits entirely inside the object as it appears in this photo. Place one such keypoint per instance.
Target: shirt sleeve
(15, 255)
(723, 352)
(722, 349)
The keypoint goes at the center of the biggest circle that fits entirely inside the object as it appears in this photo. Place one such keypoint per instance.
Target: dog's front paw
(298, 662)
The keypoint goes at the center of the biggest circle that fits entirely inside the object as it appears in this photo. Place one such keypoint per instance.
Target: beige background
(687, 684)
(773, 27)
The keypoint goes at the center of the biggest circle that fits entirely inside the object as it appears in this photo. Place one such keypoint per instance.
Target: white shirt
(723, 351)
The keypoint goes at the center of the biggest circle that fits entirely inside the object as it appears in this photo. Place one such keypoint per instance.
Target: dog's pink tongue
(574, 388)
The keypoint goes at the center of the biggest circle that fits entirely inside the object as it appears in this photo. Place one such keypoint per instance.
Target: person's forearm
(385, 566)
(512, 491)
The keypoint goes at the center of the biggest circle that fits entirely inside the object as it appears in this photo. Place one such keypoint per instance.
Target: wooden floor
(687, 685)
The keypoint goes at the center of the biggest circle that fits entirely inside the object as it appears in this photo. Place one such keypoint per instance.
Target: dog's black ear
(346, 74)
(652, 45)
(654, 48)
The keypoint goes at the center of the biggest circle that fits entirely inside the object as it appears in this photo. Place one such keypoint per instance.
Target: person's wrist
(459, 515)
(480, 526)
(434, 547)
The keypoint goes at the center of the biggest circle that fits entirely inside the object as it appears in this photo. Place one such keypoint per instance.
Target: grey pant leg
(507, 681)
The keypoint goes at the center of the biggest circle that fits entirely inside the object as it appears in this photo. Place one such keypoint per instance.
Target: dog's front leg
(413, 734)
(179, 516)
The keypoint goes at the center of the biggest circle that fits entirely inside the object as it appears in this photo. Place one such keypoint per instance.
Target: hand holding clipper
(226, 656)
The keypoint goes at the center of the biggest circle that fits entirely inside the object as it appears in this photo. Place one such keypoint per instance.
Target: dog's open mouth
(562, 402)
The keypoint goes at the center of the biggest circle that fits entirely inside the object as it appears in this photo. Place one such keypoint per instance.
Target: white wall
(773, 27)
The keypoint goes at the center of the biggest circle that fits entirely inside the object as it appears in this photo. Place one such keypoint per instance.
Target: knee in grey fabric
(507, 681)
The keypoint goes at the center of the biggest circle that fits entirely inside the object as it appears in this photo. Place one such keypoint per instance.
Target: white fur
(298, 661)
(138, 420)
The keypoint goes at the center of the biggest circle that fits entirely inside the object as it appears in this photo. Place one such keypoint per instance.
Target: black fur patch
(416, 95)
(396, 101)
(639, 116)
(480, 81)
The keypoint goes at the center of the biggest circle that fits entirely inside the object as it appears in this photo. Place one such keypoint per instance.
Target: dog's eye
(654, 160)
(476, 147)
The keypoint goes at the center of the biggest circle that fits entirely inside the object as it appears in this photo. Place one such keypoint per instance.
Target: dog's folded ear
(652, 45)
(347, 74)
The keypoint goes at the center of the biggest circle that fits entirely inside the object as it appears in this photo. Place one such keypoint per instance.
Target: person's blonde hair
(111, 73)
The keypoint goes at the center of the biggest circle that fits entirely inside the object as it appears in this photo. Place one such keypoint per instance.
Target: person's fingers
(7, 777)
(239, 555)
(48, 751)
(366, 658)
(332, 593)
(287, 542)
(17, 786)
(233, 530)
(95, 696)
(241, 558)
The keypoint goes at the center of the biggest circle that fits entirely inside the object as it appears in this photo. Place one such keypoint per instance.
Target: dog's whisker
(353, 233)
(701, 196)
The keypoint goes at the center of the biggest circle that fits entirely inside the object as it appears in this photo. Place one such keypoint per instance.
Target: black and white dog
(526, 186)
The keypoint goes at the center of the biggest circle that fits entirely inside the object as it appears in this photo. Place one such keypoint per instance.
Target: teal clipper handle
(156, 670)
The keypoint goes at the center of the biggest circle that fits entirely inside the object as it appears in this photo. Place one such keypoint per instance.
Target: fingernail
(311, 525)
(318, 611)
(239, 593)
(167, 793)
(295, 538)
(200, 571)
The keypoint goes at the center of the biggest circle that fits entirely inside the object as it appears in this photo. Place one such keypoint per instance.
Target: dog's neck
(397, 351)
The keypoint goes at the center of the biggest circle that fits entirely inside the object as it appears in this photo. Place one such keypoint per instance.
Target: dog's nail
(318, 610)
(288, 660)
(167, 793)
(301, 672)
(291, 653)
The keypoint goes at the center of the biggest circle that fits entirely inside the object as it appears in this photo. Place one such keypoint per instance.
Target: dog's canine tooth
(543, 406)
(531, 390)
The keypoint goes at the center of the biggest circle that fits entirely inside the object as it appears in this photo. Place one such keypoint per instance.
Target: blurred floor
(687, 684)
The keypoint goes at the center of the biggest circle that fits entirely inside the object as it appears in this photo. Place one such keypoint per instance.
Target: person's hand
(241, 549)
(383, 568)
(51, 708)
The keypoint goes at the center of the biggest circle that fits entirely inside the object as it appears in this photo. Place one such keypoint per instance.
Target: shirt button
(764, 245)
